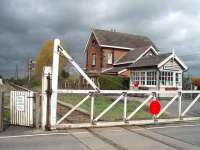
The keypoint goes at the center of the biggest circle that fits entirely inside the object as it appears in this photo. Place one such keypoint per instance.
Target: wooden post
(180, 105)
(49, 93)
(46, 71)
(125, 107)
(92, 107)
(38, 110)
(54, 83)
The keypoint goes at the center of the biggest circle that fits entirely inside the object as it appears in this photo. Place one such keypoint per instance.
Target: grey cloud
(25, 25)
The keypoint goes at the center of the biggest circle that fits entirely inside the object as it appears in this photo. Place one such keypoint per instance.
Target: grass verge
(101, 102)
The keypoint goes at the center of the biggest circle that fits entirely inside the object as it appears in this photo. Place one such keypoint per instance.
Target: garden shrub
(109, 82)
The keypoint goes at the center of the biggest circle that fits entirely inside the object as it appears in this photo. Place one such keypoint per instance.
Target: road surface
(167, 137)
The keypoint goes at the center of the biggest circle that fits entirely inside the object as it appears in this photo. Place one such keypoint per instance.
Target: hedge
(108, 82)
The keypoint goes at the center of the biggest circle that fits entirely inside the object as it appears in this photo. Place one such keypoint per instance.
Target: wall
(117, 54)
(93, 48)
(101, 56)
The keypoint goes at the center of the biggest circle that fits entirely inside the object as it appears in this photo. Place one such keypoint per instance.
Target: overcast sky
(26, 24)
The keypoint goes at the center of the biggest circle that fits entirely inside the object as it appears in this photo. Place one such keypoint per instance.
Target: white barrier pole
(78, 68)
(46, 72)
(179, 104)
(125, 107)
(54, 83)
(92, 108)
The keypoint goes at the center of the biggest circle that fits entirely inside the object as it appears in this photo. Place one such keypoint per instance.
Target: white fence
(50, 98)
(21, 108)
(128, 119)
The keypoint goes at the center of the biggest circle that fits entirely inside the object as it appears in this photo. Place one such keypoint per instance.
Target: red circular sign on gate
(154, 107)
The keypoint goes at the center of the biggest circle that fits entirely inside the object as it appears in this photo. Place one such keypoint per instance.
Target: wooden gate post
(38, 110)
(55, 68)
(46, 71)
(49, 93)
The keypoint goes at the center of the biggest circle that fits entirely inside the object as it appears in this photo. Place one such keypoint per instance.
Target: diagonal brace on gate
(73, 109)
(139, 107)
(62, 50)
(167, 105)
(191, 104)
(109, 107)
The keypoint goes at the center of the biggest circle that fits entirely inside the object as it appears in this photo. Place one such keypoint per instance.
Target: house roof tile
(118, 39)
(150, 61)
(132, 55)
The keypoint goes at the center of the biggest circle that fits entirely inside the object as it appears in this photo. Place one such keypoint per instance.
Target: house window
(136, 77)
(166, 78)
(143, 78)
(93, 59)
(151, 78)
(110, 58)
(178, 79)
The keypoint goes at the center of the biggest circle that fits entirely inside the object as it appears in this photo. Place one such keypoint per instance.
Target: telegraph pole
(29, 74)
(31, 66)
(16, 72)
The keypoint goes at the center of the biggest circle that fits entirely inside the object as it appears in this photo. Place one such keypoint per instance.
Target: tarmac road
(185, 136)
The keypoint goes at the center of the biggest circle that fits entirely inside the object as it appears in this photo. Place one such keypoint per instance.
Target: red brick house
(134, 56)
(108, 49)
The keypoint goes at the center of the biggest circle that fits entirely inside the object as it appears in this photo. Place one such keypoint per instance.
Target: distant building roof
(145, 62)
(132, 55)
(118, 39)
(150, 61)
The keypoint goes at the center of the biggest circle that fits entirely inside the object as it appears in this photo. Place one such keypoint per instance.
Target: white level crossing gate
(21, 108)
(49, 100)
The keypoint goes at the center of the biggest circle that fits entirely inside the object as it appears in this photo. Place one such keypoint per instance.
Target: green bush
(35, 83)
(108, 82)
(64, 74)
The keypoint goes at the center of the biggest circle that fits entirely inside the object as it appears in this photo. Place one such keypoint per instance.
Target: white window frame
(178, 79)
(153, 78)
(166, 78)
(142, 78)
(93, 59)
(110, 58)
(172, 82)
(136, 77)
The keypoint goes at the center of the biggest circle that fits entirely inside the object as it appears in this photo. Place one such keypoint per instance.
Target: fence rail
(72, 91)
(127, 120)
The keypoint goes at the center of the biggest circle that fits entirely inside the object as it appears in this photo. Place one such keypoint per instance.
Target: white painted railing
(94, 120)
(128, 120)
